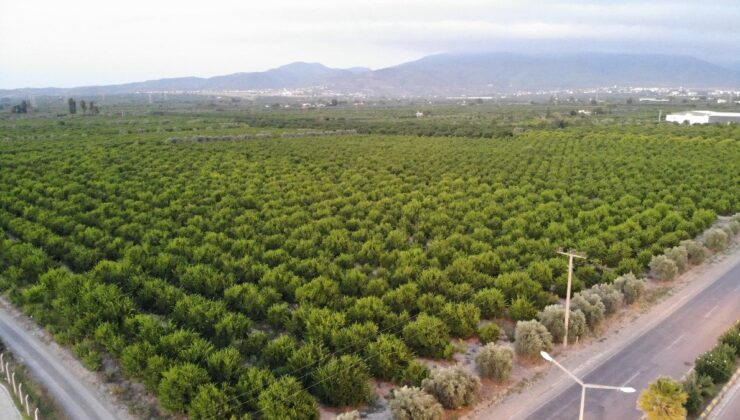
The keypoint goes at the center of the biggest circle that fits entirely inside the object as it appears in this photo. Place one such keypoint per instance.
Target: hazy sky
(82, 42)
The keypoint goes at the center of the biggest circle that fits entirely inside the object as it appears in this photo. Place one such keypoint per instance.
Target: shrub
(350, 415)
(663, 268)
(698, 388)
(387, 357)
(490, 302)
(715, 239)
(733, 226)
(413, 374)
(610, 296)
(489, 333)
(522, 309)
(495, 362)
(663, 400)
(343, 381)
(553, 318)
(718, 363)
(731, 337)
(179, 385)
(453, 387)
(210, 402)
(411, 403)
(630, 286)
(695, 251)
(680, 256)
(591, 306)
(530, 338)
(428, 336)
(286, 399)
(462, 318)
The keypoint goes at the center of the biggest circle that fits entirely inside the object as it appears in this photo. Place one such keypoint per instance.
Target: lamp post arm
(575, 378)
(617, 388)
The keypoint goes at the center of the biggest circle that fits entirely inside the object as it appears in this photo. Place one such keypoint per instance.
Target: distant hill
(449, 74)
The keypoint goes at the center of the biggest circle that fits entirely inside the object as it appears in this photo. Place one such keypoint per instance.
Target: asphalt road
(667, 349)
(77, 398)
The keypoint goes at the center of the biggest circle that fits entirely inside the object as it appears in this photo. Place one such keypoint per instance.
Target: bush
(716, 239)
(343, 381)
(428, 336)
(491, 302)
(664, 399)
(663, 268)
(553, 318)
(286, 399)
(718, 363)
(462, 318)
(630, 286)
(698, 388)
(414, 404)
(489, 333)
(350, 415)
(495, 362)
(530, 338)
(680, 256)
(414, 373)
(591, 306)
(695, 251)
(609, 295)
(453, 387)
(731, 337)
(179, 385)
(388, 356)
(522, 309)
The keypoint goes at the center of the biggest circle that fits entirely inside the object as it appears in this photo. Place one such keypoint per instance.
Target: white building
(704, 117)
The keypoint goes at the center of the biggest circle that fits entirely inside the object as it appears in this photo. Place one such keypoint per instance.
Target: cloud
(84, 42)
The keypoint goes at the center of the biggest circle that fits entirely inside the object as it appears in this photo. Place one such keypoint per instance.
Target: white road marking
(676, 341)
(711, 310)
(631, 378)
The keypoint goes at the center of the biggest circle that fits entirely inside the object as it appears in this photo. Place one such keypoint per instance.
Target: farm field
(235, 270)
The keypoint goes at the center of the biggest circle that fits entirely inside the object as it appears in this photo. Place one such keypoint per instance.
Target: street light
(625, 389)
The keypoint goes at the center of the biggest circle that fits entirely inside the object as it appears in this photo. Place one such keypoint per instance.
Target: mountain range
(449, 74)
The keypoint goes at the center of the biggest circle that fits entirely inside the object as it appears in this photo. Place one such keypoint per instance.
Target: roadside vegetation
(267, 275)
(669, 399)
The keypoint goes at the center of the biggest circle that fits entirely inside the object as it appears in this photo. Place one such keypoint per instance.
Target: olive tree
(610, 296)
(591, 306)
(453, 387)
(530, 338)
(716, 239)
(553, 318)
(495, 362)
(680, 256)
(663, 268)
(695, 251)
(412, 403)
(630, 286)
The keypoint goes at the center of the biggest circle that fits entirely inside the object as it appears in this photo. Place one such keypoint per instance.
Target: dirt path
(628, 331)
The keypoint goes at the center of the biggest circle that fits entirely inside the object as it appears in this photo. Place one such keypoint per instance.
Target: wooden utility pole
(570, 255)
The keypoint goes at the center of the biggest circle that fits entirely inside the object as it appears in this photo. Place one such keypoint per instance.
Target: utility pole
(570, 255)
